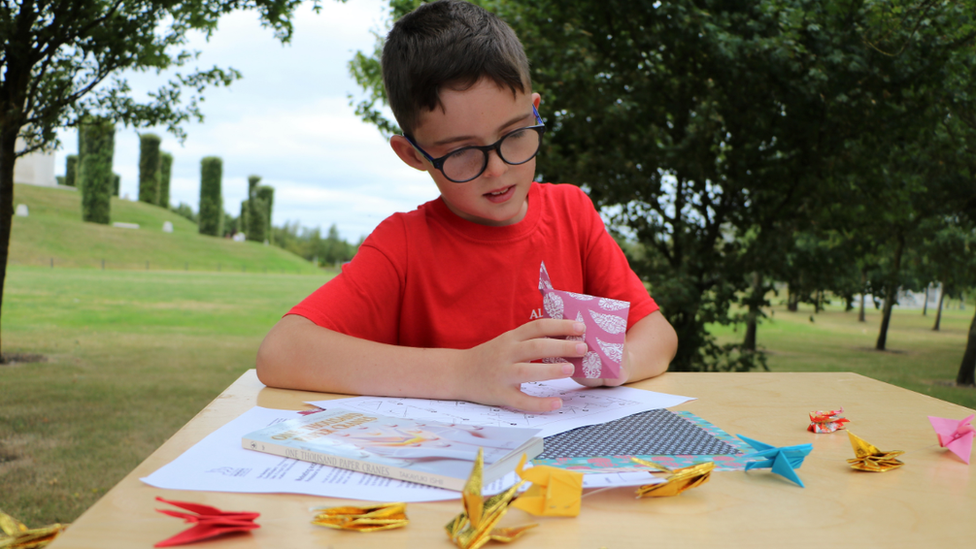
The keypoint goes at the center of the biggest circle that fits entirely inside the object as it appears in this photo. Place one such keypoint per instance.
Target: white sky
(288, 120)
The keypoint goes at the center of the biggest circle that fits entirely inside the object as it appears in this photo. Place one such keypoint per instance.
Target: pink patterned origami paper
(606, 327)
(955, 434)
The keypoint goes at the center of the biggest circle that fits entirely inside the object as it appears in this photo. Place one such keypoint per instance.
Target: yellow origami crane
(677, 480)
(476, 525)
(372, 518)
(554, 492)
(869, 458)
(16, 535)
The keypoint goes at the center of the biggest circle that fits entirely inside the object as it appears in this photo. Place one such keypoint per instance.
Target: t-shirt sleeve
(608, 273)
(364, 299)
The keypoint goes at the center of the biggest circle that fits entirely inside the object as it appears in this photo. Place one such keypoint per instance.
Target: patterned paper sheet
(671, 439)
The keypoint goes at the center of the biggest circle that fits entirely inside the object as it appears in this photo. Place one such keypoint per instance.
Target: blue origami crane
(782, 460)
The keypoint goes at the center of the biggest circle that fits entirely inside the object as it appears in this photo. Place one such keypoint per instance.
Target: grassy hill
(54, 232)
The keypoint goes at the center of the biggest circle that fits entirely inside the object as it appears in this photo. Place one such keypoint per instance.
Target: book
(426, 452)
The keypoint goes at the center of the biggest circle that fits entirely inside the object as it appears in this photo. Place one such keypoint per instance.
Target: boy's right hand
(495, 370)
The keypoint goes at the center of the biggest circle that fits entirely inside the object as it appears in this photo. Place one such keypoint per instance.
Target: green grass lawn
(54, 233)
(131, 357)
(916, 357)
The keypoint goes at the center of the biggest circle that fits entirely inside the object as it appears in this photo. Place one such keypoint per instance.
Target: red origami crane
(826, 422)
(210, 522)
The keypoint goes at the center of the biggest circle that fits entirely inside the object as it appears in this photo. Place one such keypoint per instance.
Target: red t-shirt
(431, 279)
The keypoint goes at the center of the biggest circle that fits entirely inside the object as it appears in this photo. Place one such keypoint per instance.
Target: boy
(443, 302)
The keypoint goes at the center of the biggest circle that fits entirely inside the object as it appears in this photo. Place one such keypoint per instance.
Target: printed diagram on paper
(581, 407)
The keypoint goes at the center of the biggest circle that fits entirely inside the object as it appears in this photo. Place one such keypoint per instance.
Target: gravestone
(167, 227)
(21, 210)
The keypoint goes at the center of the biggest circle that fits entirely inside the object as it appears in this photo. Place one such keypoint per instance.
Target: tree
(62, 60)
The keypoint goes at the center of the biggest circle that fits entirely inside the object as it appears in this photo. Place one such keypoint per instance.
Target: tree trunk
(792, 299)
(925, 304)
(864, 288)
(891, 292)
(749, 342)
(967, 370)
(8, 144)
(938, 315)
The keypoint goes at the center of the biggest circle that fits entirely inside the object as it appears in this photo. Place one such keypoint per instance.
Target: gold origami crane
(16, 535)
(677, 480)
(372, 518)
(869, 458)
(554, 492)
(476, 525)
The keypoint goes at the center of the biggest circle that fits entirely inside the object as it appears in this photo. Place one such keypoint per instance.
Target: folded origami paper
(869, 458)
(955, 434)
(554, 492)
(209, 522)
(826, 422)
(677, 481)
(606, 327)
(783, 460)
(372, 518)
(16, 535)
(475, 526)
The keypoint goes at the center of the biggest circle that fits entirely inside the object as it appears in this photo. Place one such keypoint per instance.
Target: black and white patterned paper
(652, 432)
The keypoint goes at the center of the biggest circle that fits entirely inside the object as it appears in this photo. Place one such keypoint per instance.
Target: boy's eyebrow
(466, 137)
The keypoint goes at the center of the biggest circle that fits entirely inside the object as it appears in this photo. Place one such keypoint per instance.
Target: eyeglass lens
(515, 148)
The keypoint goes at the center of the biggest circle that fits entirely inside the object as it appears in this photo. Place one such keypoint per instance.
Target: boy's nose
(496, 166)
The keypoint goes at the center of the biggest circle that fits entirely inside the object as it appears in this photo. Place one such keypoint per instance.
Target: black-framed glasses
(468, 163)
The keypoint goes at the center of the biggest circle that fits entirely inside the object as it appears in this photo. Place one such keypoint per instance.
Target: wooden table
(931, 501)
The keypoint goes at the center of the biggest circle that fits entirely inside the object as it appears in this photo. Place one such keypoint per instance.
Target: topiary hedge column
(211, 202)
(71, 170)
(95, 177)
(266, 195)
(149, 168)
(165, 170)
(116, 184)
(257, 219)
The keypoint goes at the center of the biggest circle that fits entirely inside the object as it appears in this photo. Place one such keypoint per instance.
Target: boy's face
(477, 116)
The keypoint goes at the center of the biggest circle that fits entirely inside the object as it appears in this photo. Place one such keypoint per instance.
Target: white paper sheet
(218, 463)
(582, 406)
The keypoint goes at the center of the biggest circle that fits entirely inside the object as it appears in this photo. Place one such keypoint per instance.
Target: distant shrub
(165, 170)
(59, 179)
(185, 210)
(242, 219)
(211, 216)
(71, 170)
(95, 177)
(116, 184)
(149, 168)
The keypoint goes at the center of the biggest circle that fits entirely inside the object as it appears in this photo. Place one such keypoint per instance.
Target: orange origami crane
(826, 422)
(677, 481)
(869, 458)
(476, 525)
(956, 435)
(16, 535)
(371, 518)
(554, 492)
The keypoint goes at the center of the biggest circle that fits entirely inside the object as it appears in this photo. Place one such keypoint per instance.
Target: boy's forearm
(651, 344)
(297, 354)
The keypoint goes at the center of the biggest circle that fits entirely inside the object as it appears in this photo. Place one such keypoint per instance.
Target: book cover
(425, 452)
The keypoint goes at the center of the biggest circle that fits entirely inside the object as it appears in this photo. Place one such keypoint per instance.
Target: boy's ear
(410, 156)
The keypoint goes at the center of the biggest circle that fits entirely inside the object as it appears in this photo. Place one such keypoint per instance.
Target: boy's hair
(448, 43)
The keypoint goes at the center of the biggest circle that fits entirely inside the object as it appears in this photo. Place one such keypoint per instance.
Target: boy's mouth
(500, 195)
